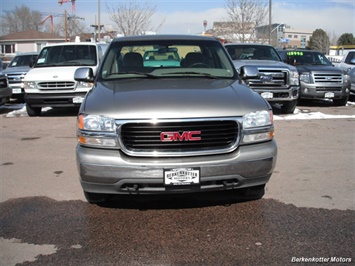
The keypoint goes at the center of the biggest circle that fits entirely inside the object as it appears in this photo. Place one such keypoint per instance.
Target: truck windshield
(178, 58)
(256, 52)
(67, 55)
(22, 60)
(307, 58)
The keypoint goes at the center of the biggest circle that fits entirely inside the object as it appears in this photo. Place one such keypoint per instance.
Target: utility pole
(99, 22)
(270, 13)
(65, 25)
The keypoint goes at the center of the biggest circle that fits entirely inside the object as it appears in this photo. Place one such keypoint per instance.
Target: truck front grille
(15, 78)
(328, 78)
(270, 78)
(145, 139)
(59, 85)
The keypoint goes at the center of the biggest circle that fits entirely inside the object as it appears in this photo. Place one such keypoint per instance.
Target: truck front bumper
(278, 95)
(5, 94)
(313, 91)
(54, 99)
(112, 172)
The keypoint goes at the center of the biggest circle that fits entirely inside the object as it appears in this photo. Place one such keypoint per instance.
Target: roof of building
(29, 35)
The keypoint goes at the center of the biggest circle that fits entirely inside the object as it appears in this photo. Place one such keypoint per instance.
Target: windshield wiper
(135, 73)
(193, 73)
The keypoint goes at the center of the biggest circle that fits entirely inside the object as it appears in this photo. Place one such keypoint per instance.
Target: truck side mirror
(84, 74)
(247, 72)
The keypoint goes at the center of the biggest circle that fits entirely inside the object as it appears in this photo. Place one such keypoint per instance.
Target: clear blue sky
(183, 16)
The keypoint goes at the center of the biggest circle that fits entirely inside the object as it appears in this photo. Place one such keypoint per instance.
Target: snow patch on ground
(20, 110)
(306, 115)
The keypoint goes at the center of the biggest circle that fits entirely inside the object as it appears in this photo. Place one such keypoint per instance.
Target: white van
(50, 83)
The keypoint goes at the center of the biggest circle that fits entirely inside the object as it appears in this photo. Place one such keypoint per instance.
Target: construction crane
(66, 17)
(60, 2)
(51, 18)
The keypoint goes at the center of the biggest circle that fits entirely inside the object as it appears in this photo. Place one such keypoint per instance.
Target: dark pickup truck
(277, 82)
(319, 79)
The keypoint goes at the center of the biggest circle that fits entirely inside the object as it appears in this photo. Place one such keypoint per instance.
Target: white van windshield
(67, 55)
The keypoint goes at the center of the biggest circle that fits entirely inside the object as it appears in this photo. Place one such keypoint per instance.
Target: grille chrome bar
(328, 78)
(143, 138)
(60, 85)
(270, 78)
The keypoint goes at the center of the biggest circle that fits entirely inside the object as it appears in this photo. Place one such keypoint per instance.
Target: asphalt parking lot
(306, 216)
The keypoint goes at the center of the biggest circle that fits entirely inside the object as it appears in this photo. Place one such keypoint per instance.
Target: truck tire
(33, 111)
(253, 193)
(95, 198)
(341, 101)
(289, 107)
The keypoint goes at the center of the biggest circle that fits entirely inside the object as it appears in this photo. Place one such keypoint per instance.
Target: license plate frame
(182, 176)
(16, 91)
(329, 95)
(267, 95)
(78, 99)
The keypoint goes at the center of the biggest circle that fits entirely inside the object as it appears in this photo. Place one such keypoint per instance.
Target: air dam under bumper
(312, 91)
(53, 99)
(112, 172)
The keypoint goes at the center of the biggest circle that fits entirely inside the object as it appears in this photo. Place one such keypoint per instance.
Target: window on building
(303, 41)
(295, 36)
(8, 49)
(290, 35)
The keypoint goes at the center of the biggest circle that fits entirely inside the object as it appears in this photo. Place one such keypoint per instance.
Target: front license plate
(329, 95)
(182, 176)
(16, 91)
(267, 95)
(78, 99)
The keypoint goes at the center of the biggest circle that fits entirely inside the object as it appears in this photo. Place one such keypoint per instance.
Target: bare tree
(132, 18)
(73, 26)
(243, 17)
(332, 38)
(20, 19)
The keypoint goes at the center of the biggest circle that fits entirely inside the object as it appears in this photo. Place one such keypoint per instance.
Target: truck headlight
(97, 130)
(306, 77)
(96, 123)
(294, 78)
(29, 85)
(258, 126)
(84, 85)
(257, 119)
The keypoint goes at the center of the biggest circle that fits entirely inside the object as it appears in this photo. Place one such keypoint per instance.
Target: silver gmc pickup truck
(177, 121)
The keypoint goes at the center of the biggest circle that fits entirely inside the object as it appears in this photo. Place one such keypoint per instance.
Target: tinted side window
(350, 57)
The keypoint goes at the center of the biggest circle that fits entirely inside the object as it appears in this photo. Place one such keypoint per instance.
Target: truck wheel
(95, 198)
(253, 193)
(289, 107)
(33, 111)
(341, 101)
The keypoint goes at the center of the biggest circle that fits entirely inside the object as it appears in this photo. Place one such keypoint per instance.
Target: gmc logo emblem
(184, 136)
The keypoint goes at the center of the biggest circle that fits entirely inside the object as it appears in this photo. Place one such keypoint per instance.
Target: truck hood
(21, 69)
(172, 98)
(260, 63)
(310, 68)
(51, 74)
